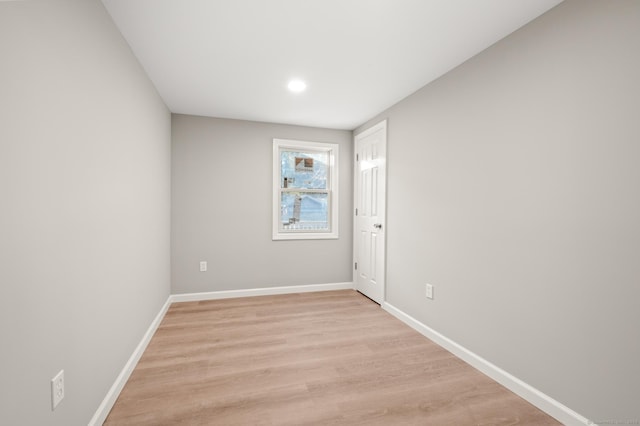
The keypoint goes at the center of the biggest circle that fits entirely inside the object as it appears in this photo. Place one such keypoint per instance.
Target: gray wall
(513, 188)
(84, 216)
(221, 209)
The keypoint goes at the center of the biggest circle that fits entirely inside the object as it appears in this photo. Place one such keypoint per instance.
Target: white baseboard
(267, 291)
(544, 402)
(110, 399)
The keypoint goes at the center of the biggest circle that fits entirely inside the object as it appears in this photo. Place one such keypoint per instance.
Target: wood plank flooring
(330, 358)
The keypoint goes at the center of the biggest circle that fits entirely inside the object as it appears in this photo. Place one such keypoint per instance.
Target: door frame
(382, 125)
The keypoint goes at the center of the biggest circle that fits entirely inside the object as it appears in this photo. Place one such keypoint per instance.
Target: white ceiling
(234, 58)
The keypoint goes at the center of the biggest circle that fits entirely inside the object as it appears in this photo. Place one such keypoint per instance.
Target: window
(305, 190)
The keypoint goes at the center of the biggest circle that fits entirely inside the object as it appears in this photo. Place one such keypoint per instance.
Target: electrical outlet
(57, 389)
(203, 266)
(429, 291)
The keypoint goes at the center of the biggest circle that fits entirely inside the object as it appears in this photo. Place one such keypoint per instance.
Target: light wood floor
(331, 358)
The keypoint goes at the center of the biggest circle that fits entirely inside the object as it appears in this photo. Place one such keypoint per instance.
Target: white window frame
(278, 231)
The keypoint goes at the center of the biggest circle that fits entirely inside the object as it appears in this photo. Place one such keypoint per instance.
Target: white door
(370, 208)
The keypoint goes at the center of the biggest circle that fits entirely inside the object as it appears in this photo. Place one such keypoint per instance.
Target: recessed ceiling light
(297, 86)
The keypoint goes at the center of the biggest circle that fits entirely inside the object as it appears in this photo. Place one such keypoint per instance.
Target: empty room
(288, 212)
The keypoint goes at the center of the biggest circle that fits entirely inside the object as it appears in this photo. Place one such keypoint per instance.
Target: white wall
(84, 207)
(221, 209)
(513, 188)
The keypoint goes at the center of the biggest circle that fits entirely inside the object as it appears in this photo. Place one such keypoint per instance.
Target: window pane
(304, 211)
(305, 170)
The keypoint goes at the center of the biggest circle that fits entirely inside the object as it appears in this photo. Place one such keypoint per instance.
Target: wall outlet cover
(57, 389)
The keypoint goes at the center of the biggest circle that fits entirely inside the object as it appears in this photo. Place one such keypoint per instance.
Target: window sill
(283, 236)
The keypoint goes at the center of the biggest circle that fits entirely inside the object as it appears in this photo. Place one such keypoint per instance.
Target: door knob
(377, 226)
